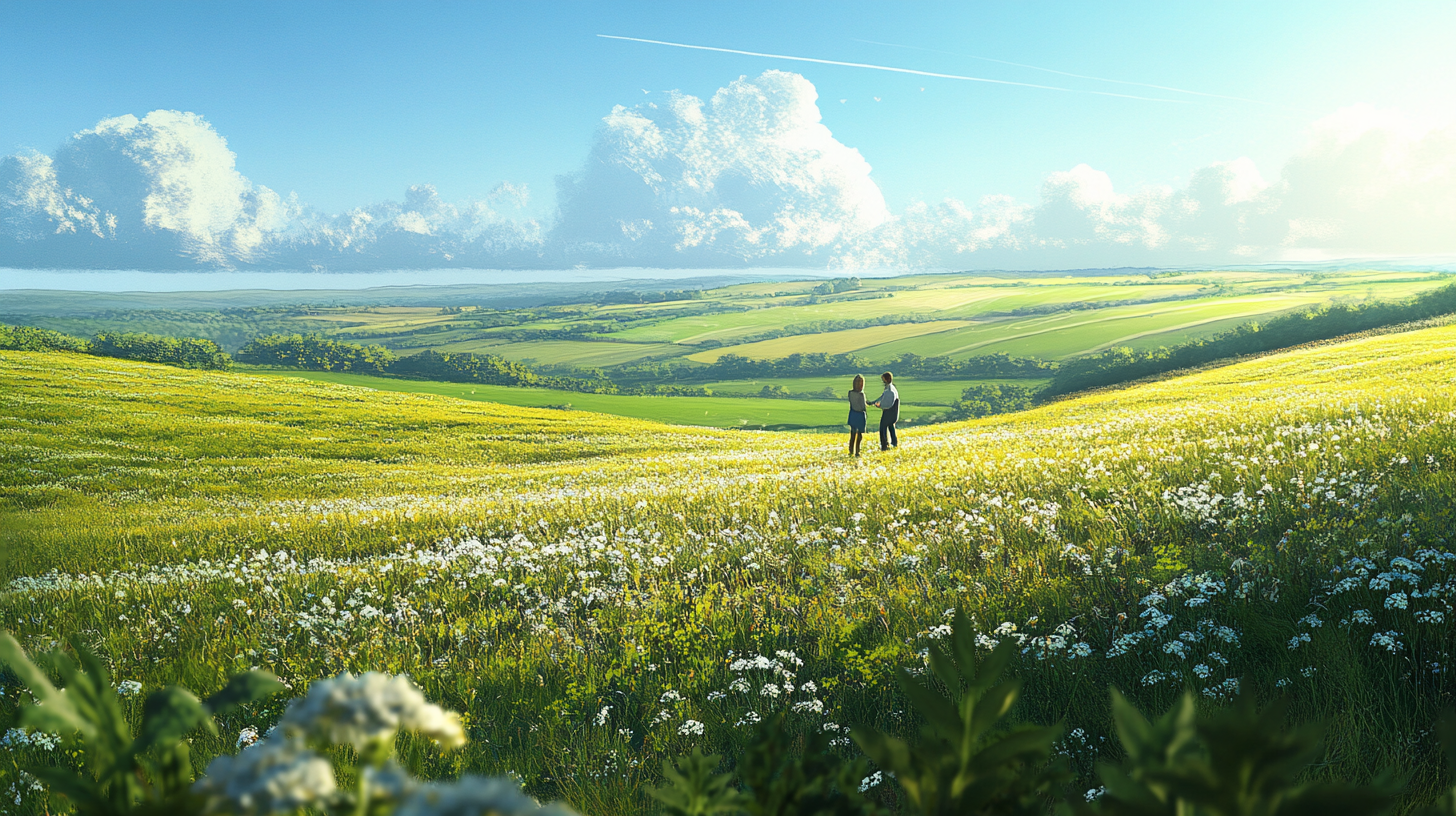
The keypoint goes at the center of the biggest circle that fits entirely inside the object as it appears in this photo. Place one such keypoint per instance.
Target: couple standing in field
(889, 405)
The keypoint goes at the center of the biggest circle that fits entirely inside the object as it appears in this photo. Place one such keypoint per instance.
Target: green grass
(578, 353)
(713, 412)
(531, 567)
(919, 392)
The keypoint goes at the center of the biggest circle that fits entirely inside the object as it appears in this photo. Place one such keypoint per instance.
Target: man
(889, 405)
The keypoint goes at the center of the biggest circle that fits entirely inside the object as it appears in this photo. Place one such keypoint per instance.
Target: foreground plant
(288, 770)
(968, 761)
(1241, 761)
(146, 772)
(771, 779)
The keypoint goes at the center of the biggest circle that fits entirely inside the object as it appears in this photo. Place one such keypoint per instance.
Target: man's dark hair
(887, 377)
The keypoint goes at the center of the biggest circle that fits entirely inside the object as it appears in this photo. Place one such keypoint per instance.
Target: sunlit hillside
(583, 587)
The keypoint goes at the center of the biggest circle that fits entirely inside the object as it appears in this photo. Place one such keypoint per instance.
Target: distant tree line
(836, 286)
(621, 297)
(29, 338)
(314, 353)
(1119, 365)
(987, 399)
(186, 352)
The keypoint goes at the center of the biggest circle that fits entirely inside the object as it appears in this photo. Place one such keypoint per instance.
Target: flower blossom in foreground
(476, 796)
(367, 709)
(276, 774)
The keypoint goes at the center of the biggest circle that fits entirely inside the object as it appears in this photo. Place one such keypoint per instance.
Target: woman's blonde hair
(857, 384)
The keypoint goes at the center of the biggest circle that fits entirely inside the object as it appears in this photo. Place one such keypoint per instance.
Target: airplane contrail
(1067, 73)
(890, 68)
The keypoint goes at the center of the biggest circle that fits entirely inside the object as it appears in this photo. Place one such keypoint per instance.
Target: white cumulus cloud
(1365, 182)
(749, 177)
(751, 174)
(158, 191)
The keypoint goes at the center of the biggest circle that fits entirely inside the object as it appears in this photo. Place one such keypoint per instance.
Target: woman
(857, 412)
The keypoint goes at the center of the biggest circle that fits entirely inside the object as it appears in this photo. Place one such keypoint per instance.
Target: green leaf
(945, 669)
(995, 663)
(59, 715)
(886, 751)
(81, 791)
(993, 706)
(938, 712)
(1133, 729)
(168, 715)
(241, 689)
(694, 788)
(1032, 745)
(963, 643)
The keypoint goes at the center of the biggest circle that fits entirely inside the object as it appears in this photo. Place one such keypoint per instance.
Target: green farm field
(583, 332)
(958, 315)
(595, 593)
(715, 412)
(921, 392)
(1061, 334)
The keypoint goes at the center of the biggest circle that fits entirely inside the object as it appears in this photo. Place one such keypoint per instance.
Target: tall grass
(580, 586)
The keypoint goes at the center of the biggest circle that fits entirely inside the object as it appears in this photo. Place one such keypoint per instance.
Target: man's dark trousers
(887, 427)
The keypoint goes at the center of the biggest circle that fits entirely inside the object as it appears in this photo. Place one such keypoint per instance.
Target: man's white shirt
(888, 399)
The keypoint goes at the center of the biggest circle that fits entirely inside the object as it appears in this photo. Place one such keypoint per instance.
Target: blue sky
(347, 103)
(350, 103)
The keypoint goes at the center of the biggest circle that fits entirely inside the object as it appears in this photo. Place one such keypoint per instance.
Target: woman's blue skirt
(857, 420)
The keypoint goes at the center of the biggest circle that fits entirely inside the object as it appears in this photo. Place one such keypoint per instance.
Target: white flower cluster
(282, 771)
(690, 728)
(20, 738)
(1398, 598)
(364, 710)
(476, 796)
(275, 774)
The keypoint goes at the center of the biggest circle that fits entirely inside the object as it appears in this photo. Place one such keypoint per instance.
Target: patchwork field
(591, 332)
(595, 593)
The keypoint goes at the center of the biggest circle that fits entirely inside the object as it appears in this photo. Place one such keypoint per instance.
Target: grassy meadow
(596, 592)
(716, 412)
(581, 330)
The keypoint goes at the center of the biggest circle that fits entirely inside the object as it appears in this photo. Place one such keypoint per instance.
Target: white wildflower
(476, 796)
(690, 728)
(368, 709)
(247, 737)
(1389, 641)
(277, 774)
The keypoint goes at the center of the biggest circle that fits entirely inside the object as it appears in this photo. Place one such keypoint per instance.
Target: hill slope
(583, 586)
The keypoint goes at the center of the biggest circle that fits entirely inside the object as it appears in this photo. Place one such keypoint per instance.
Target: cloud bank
(750, 177)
